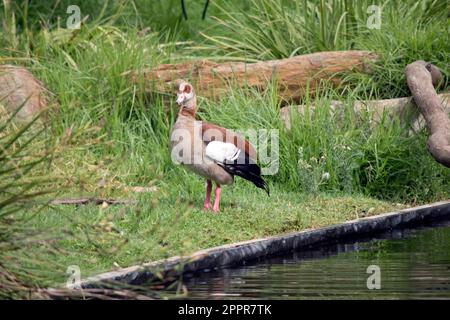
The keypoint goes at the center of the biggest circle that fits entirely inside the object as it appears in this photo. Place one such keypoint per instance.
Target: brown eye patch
(187, 89)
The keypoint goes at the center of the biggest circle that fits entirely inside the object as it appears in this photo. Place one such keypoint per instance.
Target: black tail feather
(246, 168)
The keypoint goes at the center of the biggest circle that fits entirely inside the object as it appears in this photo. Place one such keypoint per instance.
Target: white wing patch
(222, 151)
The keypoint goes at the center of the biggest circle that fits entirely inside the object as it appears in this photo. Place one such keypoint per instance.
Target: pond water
(413, 264)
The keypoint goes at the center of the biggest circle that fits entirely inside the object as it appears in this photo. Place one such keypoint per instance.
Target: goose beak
(180, 99)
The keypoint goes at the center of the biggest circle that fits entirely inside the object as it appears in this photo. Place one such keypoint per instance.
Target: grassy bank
(109, 136)
(164, 226)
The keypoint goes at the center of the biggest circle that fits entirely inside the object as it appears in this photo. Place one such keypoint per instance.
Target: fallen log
(422, 78)
(96, 201)
(294, 76)
(403, 108)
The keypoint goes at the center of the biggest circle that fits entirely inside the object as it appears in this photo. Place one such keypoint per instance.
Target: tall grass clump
(24, 150)
(419, 35)
(274, 29)
(110, 118)
(339, 152)
(162, 16)
(30, 255)
(102, 126)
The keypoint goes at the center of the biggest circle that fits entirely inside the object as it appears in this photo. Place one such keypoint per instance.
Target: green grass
(111, 136)
(166, 224)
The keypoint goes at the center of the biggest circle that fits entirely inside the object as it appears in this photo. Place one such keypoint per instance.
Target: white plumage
(222, 151)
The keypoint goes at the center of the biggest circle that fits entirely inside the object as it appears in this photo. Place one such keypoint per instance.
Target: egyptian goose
(211, 151)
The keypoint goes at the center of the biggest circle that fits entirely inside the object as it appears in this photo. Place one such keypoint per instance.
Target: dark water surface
(414, 264)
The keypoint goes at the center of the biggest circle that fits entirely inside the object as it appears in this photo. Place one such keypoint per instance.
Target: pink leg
(208, 195)
(217, 199)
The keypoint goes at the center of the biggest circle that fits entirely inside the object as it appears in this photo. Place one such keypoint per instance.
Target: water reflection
(414, 263)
